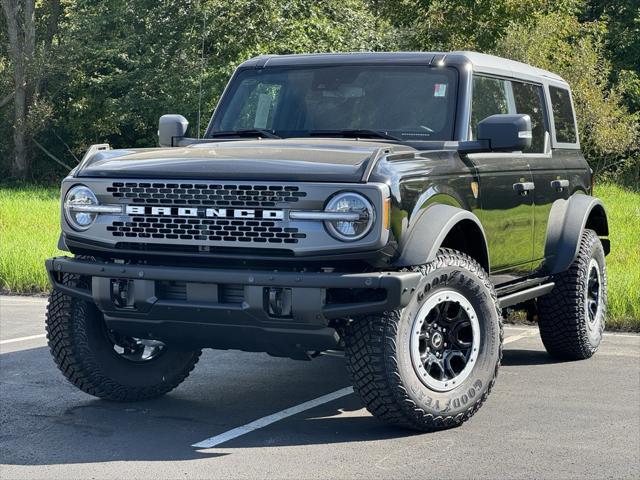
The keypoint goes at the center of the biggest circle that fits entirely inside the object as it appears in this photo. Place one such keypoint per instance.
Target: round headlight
(79, 196)
(350, 230)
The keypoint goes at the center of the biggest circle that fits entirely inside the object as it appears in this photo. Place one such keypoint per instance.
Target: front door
(506, 196)
(506, 188)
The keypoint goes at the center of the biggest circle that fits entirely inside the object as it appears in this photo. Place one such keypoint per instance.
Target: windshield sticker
(262, 111)
(440, 90)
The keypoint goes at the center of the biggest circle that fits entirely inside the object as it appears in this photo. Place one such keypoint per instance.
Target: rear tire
(83, 349)
(572, 316)
(401, 362)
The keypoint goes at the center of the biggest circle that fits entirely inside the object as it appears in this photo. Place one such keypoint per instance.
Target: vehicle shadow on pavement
(514, 357)
(45, 420)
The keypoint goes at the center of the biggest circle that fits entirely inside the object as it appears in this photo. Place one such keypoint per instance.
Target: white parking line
(22, 300)
(288, 412)
(269, 419)
(22, 339)
(534, 329)
(515, 338)
(624, 335)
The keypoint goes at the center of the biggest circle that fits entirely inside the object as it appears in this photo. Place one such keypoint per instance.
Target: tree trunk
(20, 18)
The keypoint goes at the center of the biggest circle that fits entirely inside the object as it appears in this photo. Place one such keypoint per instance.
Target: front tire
(105, 364)
(432, 364)
(572, 316)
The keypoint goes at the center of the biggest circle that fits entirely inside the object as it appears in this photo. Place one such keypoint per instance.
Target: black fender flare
(567, 221)
(420, 244)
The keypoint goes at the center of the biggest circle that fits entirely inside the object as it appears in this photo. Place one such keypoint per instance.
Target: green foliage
(623, 263)
(622, 42)
(29, 226)
(123, 63)
(462, 25)
(107, 70)
(560, 43)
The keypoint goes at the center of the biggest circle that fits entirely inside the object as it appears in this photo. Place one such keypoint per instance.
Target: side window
(489, 98)
(562, 115)
(258, 110)
(529, 100)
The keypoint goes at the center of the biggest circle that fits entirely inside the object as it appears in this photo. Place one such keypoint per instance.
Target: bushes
(558, 42)
(106, 71)
(112, 68)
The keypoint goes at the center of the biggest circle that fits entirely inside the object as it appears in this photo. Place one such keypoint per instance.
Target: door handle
(523, 188)
(559, 185)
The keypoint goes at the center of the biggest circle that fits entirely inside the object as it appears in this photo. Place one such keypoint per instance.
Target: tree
(131, 61)
(460, 25)
(622, 43)
(559, 42)
(21, 35)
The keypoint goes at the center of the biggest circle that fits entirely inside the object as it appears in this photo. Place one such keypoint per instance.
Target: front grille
(227, 230)
(203, 229)
(214, 195)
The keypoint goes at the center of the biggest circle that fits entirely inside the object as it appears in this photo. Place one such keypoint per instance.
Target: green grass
(29, 228)
(30, 218)
(623, 263)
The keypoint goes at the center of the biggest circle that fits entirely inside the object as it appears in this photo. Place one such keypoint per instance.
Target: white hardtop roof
(492, 64)
(480, 62)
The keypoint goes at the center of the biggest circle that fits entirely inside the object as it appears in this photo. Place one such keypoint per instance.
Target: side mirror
(170, 127)
(508, 133)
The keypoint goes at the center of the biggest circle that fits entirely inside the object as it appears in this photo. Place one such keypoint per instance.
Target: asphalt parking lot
(543, 420)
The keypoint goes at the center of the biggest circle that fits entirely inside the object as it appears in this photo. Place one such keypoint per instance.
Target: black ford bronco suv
(390, 205)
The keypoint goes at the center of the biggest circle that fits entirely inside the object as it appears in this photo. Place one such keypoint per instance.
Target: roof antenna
(204, 24)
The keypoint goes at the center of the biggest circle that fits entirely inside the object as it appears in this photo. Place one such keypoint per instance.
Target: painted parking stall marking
(515, 338)
(22, 339)
(275, 417)
(288, 412)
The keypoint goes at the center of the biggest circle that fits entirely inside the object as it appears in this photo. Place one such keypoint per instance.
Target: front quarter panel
(419, 181)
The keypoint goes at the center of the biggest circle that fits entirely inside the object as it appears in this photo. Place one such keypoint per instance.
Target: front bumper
(201, 314)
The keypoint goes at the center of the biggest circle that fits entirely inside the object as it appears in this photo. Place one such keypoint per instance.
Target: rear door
(547, 169)
(506, 207)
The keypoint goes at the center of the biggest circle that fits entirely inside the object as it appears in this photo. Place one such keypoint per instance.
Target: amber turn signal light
(386, 213)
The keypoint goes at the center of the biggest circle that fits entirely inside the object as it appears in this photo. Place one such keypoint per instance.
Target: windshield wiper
(353, 133)
(249, 132)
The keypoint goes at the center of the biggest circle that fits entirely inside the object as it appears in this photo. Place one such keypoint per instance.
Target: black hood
(323, 160)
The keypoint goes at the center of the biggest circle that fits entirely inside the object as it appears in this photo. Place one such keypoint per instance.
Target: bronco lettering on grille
(205, 212)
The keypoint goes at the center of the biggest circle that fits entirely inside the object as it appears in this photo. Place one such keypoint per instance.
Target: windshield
(411, 103)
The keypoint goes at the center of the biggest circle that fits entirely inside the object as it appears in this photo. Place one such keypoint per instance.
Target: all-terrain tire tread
(67, 339)
(561, 318)
(371, 360)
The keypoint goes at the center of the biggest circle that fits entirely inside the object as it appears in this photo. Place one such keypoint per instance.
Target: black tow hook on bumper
(135, 291)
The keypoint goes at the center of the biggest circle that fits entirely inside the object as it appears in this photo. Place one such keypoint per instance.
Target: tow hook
(279, 301)
(122, 293)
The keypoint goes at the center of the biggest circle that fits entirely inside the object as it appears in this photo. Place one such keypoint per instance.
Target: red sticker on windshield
(440, 90)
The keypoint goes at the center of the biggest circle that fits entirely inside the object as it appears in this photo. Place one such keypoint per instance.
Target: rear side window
(529, 100)
(562, 115)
